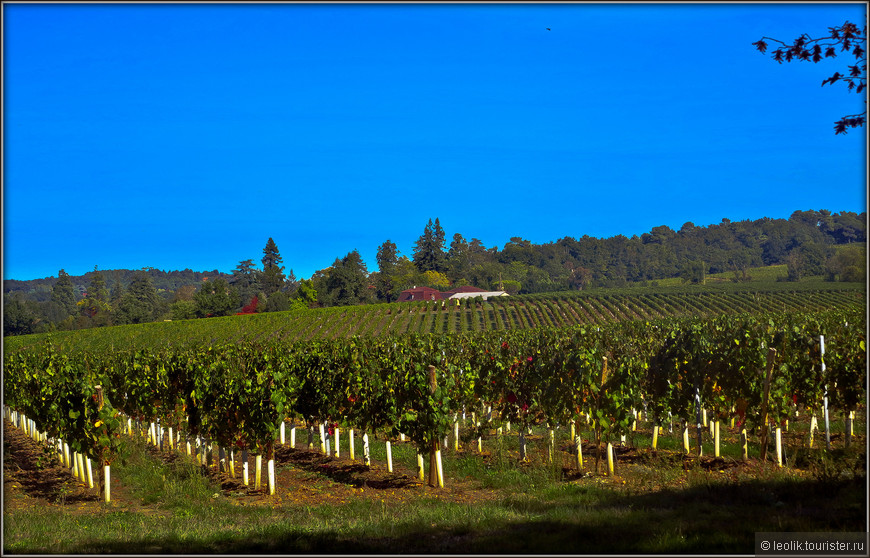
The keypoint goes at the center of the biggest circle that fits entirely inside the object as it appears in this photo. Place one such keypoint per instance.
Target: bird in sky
(548, 28)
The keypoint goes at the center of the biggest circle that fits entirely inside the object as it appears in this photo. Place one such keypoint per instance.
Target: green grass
(663, 507)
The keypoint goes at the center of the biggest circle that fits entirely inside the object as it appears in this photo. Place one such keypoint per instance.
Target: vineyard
(468, 315)
(222, 389)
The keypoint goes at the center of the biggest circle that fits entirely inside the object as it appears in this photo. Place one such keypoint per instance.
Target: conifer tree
(63, 293)
(429, 252)
(387, 257)
(273, 272)
(97, 287)
(96, 305)
(138, 304)
(348, 282)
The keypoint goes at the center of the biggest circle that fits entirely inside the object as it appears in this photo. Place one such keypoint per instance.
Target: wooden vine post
(771, 355)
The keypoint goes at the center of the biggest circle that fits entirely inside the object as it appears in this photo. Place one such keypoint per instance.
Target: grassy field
(656, 501)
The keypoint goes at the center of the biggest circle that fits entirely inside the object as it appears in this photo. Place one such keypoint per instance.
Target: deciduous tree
(246, 280)
(436, 280)
(306, 293)
(848, 38)
(18, 319)
(215, 298)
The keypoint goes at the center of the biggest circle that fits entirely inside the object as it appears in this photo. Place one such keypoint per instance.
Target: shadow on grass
(611, 535)
(343, 471)
(714, 518)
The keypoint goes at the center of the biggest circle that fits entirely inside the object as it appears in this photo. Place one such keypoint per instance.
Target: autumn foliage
(251, 308)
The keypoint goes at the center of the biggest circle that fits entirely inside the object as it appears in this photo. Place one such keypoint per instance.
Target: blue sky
(185, 135)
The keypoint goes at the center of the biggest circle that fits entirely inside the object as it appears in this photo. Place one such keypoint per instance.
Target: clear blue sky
(185, 135)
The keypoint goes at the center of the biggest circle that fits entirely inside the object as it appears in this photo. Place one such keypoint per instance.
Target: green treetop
(273, 272)
(429, 252)
(63, 293)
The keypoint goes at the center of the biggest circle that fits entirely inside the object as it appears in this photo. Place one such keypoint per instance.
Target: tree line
(809, 243)
(806, 242)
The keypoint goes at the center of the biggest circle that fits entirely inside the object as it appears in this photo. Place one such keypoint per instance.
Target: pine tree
(137, 305)
(458, 257)
(63, 293)
(387, 259)
(97, 287)
(348, 281)
(96, 306)
(429, 249)
(440, 239)
(273, 273)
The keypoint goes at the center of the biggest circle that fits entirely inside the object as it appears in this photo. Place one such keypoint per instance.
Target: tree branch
(851, 39)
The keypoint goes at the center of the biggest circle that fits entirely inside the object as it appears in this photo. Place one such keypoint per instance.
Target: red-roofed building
(420, 293)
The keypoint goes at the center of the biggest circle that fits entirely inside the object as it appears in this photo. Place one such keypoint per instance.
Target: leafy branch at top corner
(849, 38)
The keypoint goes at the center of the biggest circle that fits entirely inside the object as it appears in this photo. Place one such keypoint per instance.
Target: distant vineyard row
(468, 315)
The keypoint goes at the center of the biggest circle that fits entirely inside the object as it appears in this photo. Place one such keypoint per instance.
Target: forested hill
(805, 242)
(811, 244)
(39, 290)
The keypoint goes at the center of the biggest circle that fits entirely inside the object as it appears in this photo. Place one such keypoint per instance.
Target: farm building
(428, 293)
(419, 293)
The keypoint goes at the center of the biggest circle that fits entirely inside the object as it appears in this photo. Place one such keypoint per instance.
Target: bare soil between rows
(664, 482)
(33, 476)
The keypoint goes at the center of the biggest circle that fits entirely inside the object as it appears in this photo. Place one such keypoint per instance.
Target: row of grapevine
(497, 314)
(238, 394)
